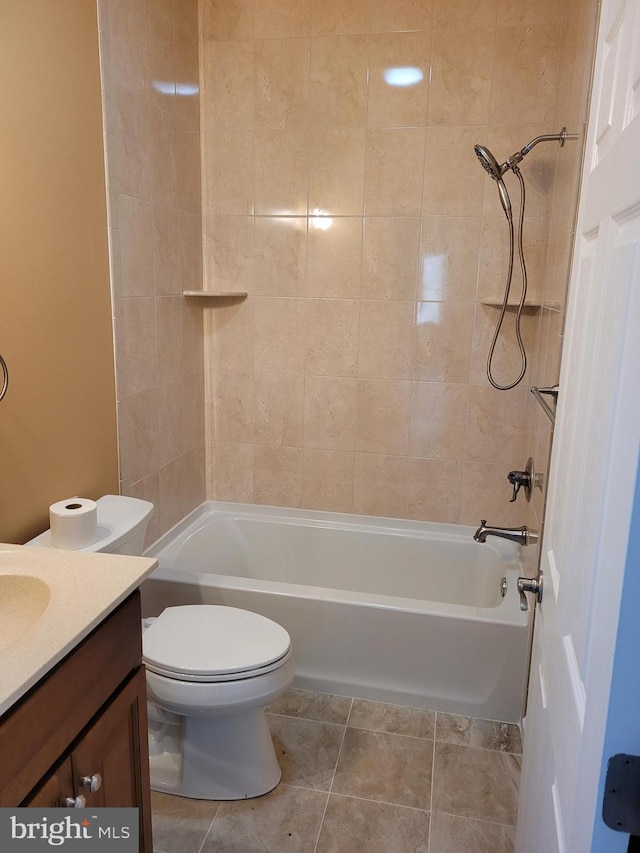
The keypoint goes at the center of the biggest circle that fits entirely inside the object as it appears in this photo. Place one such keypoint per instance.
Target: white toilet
(210, 672)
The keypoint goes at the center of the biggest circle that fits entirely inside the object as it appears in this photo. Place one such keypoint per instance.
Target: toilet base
(224, 758)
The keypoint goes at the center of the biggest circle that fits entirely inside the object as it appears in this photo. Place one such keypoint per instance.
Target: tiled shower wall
(152, 122)
(577, 47)
(354, 213)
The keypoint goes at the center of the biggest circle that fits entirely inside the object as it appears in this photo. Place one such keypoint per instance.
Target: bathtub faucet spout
(521, 535)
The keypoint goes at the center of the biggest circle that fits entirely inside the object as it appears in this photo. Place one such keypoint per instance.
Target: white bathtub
(397, 611)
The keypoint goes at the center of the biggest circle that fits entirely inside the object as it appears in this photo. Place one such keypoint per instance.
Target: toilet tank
(122, 525)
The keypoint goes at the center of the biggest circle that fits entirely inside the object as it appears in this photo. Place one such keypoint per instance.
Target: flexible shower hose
(523, 268)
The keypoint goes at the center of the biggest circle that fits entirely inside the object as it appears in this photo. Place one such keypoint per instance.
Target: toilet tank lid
(210, 639)
(119, 517)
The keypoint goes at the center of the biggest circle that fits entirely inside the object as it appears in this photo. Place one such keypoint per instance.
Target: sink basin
(23, 600)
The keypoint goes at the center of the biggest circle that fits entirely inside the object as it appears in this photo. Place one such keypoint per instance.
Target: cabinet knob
(78, 802)
(93, 783)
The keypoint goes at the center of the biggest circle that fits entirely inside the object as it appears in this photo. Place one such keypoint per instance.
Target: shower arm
(545, 137)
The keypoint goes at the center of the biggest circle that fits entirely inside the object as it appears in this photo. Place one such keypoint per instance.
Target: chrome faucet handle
(522, 479)
(533, 585)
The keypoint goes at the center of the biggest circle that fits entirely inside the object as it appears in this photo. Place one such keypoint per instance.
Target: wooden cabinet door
(53, 792)
(115, 746)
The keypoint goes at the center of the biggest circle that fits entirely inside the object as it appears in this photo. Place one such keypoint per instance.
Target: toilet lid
(206, 640)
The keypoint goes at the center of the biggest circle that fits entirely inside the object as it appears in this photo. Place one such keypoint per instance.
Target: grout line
(433, 778)
(344, 734)
(207, 833)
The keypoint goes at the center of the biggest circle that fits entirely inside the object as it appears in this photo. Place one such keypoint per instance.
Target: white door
(593, 469)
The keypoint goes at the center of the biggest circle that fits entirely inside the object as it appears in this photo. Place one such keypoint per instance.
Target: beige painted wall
(58, 421)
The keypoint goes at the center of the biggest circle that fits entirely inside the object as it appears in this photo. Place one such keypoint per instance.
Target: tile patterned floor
(363, 777)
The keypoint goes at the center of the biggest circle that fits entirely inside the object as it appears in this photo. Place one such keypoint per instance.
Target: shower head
(489, 162)
(490, 165)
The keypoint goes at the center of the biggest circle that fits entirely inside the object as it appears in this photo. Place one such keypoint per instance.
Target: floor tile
(451, 834)
(485, 734)
(180, 824)
(385, 767)
(323, 707)
(360, 826)
(306, 750)
(381, 717)
(476, 783)
(286, 820)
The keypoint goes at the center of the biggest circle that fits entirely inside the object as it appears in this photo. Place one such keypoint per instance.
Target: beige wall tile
(181, 486)
(385, 346)
(227, 85)
(327, 480)
(449, 258)
(127, 25)
(395, 158)
(169, 331)
(136, 243)
(188, 174)
(514, 12)
(171, 416)
(525, 73)
(227, 20)
(148, 489)
(194, 409)
(380, 485)
(460, 91)
(163, 169)
(279, 342)
(443, 341)
(191, 250)
(507, 360)
(192, 337)
(228, 172)
(136, 346)
(433, 490)
(138, 434)
(330, 412)
(335, 258)
(495, 423)
(390, 257)
(400, 15)
(234, 337)
(277, 477)
(280, 255)
(282, 82)
(278, 413)
(233, 403)
(282, 18)
(438, 420)
(393, 105)
(382, 416)
(160, 50)
(460, 13)
(339, 17)
(336, 171)
(281, 172)
(233, 472)
(229, 247)
(166, 251)
(458, 189)
(133, 143)
(486, 492)
(330, 331)
(338, 91)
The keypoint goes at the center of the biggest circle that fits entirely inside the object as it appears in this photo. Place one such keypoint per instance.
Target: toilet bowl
(211, 670)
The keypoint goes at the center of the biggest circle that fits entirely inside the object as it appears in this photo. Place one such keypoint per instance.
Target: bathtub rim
(506, 612)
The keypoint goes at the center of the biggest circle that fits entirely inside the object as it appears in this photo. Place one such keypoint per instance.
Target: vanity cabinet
(82, 730)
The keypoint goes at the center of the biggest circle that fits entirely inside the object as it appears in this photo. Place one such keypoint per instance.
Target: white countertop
(39, 627)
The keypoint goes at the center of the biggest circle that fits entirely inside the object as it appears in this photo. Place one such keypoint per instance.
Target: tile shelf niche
(213, 296)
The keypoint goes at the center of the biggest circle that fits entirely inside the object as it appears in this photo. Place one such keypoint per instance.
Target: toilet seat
(212, 643)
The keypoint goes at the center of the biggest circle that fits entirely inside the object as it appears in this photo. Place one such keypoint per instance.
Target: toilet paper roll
(73, 523)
